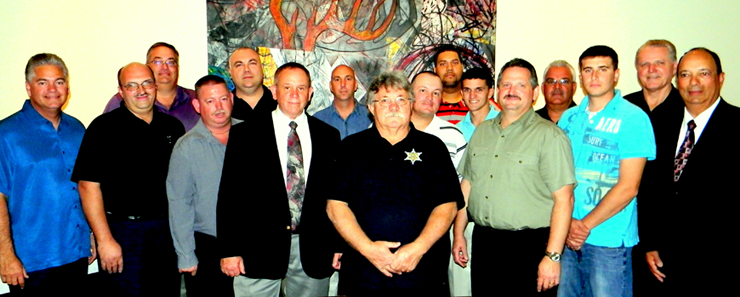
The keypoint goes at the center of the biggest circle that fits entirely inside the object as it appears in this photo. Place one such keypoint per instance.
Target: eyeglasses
(562, 81)
(169, 63)
(387, 101)
(133, 87)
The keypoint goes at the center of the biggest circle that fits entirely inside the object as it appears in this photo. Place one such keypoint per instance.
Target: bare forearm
(93, 207)
(615, 200)
(346, 224)
(461, 220)
(6, 242)
(562, 212)
(437, 224)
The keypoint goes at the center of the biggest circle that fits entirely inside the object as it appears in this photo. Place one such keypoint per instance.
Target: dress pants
(208, 280)
(506, 262)
(149, 260)
(295, 284)
(68, 278)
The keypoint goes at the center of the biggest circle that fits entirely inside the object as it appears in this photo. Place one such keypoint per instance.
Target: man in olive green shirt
(518, 180)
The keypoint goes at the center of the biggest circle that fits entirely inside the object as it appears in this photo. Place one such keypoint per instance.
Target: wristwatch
(555, 257)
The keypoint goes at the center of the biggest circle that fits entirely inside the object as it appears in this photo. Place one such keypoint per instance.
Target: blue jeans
(596, 272)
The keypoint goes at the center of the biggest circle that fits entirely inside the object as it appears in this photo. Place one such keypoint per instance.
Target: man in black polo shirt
(251, 97)
(396, 197)
(121, 171)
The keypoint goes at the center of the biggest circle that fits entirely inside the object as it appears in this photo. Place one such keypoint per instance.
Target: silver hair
(44, 59)
(659, 43)
(390, 79)
(560, 63)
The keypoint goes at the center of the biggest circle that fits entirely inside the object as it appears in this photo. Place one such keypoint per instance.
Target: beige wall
(96, 38)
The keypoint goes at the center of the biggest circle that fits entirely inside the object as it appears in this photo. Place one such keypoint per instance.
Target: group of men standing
(215, 183)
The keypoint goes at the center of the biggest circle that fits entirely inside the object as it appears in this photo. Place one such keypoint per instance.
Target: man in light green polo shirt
(518, 180)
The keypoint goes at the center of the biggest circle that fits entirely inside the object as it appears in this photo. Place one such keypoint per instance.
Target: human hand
(337, 262)
(654, 261)
(192, 270)
(460, 251)
(548, 274)
(407, 257)
(232, 266)
(12, 271)
(111, 256)
(577, 234)
(93, 250)
(379, 254)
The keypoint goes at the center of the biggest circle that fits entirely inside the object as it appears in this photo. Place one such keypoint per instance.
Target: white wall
(96, 38)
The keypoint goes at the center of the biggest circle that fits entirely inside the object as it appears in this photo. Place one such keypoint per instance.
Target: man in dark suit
(271, 226)
(688, 209)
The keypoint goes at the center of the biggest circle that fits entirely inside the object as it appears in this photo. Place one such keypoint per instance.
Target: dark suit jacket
(691, 221)
(253, 216)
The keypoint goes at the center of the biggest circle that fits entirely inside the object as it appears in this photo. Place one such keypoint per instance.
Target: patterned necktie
(683, 153)
(295, 180)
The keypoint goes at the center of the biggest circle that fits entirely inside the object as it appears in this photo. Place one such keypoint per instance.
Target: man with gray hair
(396, 196)
(656, 66)
(558, 87)
(44, 238)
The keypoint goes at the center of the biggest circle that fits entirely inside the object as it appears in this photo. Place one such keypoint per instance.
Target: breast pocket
(521, 162)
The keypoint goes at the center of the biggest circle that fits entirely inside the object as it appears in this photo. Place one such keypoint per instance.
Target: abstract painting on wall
(371, 36)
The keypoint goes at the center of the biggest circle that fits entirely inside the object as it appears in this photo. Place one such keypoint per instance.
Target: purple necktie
(295, 180)
(683, 153)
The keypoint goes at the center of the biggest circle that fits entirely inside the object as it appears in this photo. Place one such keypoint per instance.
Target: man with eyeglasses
(121, 172)
(397, 193)
(518, 179)
(558, 88)
(171, 98)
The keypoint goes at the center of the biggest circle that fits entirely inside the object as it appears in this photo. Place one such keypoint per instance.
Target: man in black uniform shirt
(396, 197)
(121, 171)
(250, 96)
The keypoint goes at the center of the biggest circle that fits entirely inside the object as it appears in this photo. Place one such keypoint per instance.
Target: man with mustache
(558, 87)
(518, 180)
(172, 99)
(345, 113)
(449, 68)
(251, 97)
(192, 189)
(611, 139)
(121, 172)
(397, 193)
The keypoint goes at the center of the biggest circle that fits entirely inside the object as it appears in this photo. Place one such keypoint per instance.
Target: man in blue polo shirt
(44, 238)
(345, 113)
(612, 139)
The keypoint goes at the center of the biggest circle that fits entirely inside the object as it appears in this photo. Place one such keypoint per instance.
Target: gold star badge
(413, 156)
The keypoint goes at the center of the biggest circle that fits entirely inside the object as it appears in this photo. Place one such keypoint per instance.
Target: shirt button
(520, 161)
(502, 136)
(486, 197)
(74, 188)
(491, 175)
(486, 218)
(495, 156)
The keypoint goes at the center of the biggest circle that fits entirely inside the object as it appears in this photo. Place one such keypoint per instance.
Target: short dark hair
(599, 51)
(44, 59)
(167, 45)
(292, 65)
(447, 48)
(423, 72)
(479, 73)
(717, 62)
(210, 79)
(517, 62)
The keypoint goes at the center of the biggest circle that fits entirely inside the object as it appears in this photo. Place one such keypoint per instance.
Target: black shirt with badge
(392, 190)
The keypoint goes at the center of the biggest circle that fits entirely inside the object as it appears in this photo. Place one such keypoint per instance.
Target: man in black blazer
(272, 228)
(690, 198)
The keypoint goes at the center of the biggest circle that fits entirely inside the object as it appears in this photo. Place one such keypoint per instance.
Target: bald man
(345, 113)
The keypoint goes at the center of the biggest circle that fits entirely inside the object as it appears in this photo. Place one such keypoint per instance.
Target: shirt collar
(702, 119)
(612, 105)
(35, 118)
(527, 118)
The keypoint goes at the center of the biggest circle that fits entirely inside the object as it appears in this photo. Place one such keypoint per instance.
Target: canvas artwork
(370, 36)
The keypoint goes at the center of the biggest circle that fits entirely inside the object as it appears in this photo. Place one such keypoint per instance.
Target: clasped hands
(403, 260)
(577, 234)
